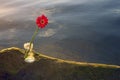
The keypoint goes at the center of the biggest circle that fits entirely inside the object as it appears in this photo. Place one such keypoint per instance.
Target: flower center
(42, 21)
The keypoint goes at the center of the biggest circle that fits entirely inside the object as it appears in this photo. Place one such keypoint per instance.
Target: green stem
(31, 41)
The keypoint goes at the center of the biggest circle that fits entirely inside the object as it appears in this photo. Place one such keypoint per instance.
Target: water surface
(82, 30)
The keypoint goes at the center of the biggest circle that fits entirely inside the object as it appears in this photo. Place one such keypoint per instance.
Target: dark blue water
(82, 30)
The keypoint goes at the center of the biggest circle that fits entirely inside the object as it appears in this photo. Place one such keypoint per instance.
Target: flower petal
(40, 19)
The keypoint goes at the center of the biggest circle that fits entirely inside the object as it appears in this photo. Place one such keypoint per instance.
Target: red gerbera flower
(41, 21)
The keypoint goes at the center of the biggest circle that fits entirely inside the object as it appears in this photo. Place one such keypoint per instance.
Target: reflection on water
(82, 30)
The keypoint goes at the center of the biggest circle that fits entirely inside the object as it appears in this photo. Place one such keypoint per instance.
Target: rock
(13, 67)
